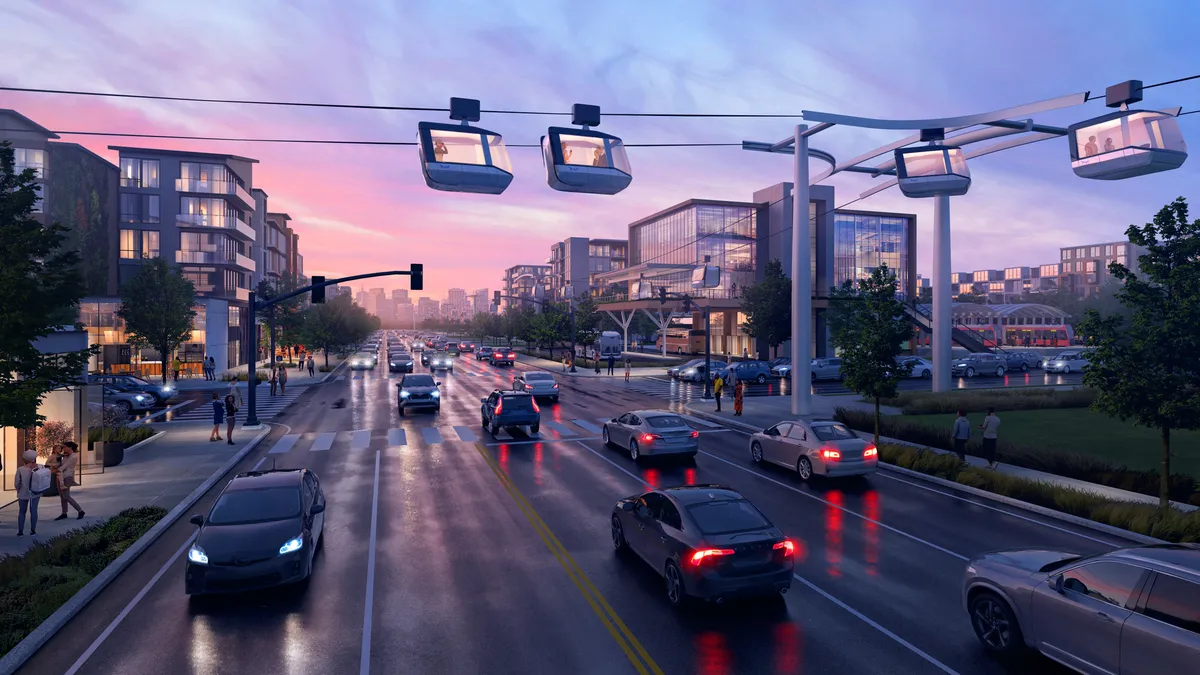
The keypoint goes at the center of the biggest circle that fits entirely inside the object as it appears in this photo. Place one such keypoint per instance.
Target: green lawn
(1086, 432)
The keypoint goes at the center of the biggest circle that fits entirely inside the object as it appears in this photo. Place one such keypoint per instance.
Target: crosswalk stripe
(560, 428)
(360, 439)
(466, 434)
(701, 422)
(584, 424)
(324, 442)
(396, 437)
(284, 444)
(431, 435)
(339, 378)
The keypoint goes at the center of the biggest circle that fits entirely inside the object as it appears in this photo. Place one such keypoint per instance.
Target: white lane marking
(126, 610)
(999, 510)
(840, 508)
(323, 442)
(465, 434)
(560, 428)
(260, 462)
(862, 617)
(584, 424)
(431, 435)
(284, 444)
(396, 438)
(364, 664)
(360, 439)
(616, 466)
(339, 378)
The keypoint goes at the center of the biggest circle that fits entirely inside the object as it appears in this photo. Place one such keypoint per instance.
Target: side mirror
(483, 400)
(613, 420)
(317, 508)
(627, 506)
(439, 384)
(1057, 582)
(196, 519)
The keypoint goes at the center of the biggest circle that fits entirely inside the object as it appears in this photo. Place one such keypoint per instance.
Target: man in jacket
(961, 434)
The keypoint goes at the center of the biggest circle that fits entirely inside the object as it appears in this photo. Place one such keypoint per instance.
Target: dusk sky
(361, 208)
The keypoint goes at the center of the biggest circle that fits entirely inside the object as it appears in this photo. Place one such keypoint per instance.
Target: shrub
(126, 435)
(53, 433)
(1020, 398)
(259, 375)
(325, 369)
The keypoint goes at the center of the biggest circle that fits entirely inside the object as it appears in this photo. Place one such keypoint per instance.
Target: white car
(1066, 363)
(819, 447)
(538, 383)
(363, 361)
(921, 368)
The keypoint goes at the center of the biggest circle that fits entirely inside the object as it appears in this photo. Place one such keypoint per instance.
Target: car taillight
(871, 451)
(512, 355)
(646, 438)
(696, 434)
(556, 384)
(704, 554)
(536, 409)
(787, 547)
(831, 454)
(499, 407)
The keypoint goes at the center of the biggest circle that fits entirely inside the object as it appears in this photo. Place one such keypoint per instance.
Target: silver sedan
(652, 432)
(538, 383)
(820, 447)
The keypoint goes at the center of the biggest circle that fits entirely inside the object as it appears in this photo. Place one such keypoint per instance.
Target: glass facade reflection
(863, 242)
(725, 232)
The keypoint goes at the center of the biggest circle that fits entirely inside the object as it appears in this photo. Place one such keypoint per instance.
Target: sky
(366, 208)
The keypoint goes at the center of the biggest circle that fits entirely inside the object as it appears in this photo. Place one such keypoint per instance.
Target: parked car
(129, 401)
(418, 391)
(979, 364)
(1014, 361)
(539, 383)
(674, 371)
(696, 373)
(503, 357)
(161, 392)
(918, 367)
(826, 369)
(819, 447)
(1133, 610)
(745, 371)
(652, 432)
(483, 354)
(1032, 359)
(508, 408)
(781, 361)
(1067, 362)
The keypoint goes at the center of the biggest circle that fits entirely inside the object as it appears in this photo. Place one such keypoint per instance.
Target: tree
(587, 322)
(156, 306)
(1149, 372)
(972, 298)
(289, 318)
(768, 307)
(335, 324)
(869, 326)
(39, 283)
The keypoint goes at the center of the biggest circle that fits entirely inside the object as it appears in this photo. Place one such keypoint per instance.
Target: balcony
(215, 258)
(230, 224)
(240, 294)
(236, 194)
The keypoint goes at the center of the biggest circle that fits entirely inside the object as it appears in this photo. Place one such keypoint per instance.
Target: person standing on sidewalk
(961, 434)
(274, 379)
(991, 432)
(628, 367)
(739, 392)
(612, 363)
(218, 416)
(718, 388)
(176, 366)
(230, 418)
(66, 479)
(29, 494)
(312, 366)
(283, 380)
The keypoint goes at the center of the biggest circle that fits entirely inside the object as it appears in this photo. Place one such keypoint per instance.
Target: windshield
(137, 381)
(254, 506)
(418, 381)
(518, 402)
(727, 516)
(666, 422)
(832, 432)
(538, 376)
(1066, 356)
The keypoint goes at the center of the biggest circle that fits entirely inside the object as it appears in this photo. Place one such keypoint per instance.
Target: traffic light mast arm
(264, 304)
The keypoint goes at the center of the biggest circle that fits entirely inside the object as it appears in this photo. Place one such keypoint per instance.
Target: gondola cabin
(462, 158)
(931, 171)
(583, 160)
(1125, 144)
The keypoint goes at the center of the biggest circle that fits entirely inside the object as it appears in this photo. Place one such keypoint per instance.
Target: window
(730, 515)
(1108, 249)
(1105, 581)
(40, 190)
(139, 173)
(1095, 251)
(149, 173)
(1120, 249)
(129, 208)
(653, 502)
(237, 507)
(150, 244)
(1066, 254)
(798, 433)
(30, 158)
(129, 244)
(149, 208)
(670, 515)
(1175, 601)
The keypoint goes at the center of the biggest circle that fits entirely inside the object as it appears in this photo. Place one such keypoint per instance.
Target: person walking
(235, 391)
(274, 378)
(283, 376)
(230, 418)
(31, 482)
(718, 388)
(612, 362)
(739, 392)
(991, 432)
(961, 433)
(312, 366)
(218, 416)
(176, 366)
(66, 480)
(628, 368)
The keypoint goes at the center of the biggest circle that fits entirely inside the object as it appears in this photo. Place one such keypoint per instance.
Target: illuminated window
(129, 244)
(30, 158)
(149, 243)
(129, 208)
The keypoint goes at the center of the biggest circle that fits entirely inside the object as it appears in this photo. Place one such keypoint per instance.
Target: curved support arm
(947, 122)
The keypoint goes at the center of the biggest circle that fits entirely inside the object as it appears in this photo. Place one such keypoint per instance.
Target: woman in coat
(218, 417)
(230, 417)
(739, 392)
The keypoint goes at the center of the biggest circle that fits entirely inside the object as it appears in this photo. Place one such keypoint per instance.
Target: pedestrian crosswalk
(266, 406)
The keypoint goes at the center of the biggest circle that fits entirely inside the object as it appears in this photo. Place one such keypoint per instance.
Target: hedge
(1183, 487)
(34, 585)
(974, 400)
(1147, 519)
(126, 435)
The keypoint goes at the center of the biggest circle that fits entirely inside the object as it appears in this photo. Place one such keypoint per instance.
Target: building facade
(481, 302)
(525, 281)
(1084, 269)
(428, 309)
(576, 261)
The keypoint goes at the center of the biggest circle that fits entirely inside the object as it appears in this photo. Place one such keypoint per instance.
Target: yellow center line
(621, 633)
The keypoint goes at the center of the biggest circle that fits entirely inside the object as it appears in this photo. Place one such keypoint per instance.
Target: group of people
(224, 412)
(32, 481)
(961, 433)
(739, 391)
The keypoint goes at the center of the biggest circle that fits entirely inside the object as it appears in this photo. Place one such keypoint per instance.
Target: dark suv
(483, 354)
(502, 357)
(508, 408)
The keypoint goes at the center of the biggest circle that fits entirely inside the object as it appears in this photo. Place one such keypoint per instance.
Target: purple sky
(364, 208)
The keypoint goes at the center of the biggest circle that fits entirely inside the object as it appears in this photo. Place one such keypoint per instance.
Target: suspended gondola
(933, 170)
(585, 160)
(1125, 144)
(463, 158)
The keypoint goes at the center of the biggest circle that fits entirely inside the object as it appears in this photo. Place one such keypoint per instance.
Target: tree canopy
(156, 306)
(335, 324)
(768, 306)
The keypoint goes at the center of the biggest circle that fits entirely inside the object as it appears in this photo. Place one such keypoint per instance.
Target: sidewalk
(160, 473)
(556, 367)
(761, 412)
(296, 377)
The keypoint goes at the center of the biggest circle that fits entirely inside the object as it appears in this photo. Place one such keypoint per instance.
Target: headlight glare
(197, 555)
(292, 545)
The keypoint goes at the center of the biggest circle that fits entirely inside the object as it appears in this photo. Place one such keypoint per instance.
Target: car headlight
(292, 545)
(168, 389)
(392, 363)
(436, 394)
(139, 397)
(690, 371)
(403, 394)
(197, 555)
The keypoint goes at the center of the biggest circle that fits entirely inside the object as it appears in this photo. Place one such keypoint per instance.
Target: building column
(623, 322)
(941, 322)
(661, 323)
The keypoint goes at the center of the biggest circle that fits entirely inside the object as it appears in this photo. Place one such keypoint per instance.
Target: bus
(682, 341)
(610, 344)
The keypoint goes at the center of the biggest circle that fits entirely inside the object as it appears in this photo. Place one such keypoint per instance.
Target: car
(503, 357)
(817, 447)
(538, 383)
(483, 354)
(919, 368)
(418, 391)
(426, 356)
(1013, 361)
(707, 541)
(161, 392)
(1030, 358)
(466, 347)
(362, 361)
(674, 371)
(510, 408)
(441, 361)
(696, 373)
(825, 369)
(418, 346)
(979, 364)
(127, 401)
(745, 371)
(452, 349)
(264, 530)
(1132, 610)
(1066, 363)
(655, 433)
(400, 362)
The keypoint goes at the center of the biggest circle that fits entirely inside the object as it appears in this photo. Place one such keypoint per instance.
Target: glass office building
(864, 241)
(686, 233)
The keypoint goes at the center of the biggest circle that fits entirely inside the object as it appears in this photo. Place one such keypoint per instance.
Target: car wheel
(970, 372)
(925, 374)
(813, 377)
(483, 421)
(494, 429)
(995, 625)
(1024, 367)
(634, 452)
(674, 584)
(804, 468)
(401, 410)
(125, 407)
(1000, 371)
(534, 429)
(618, 536)
(761, 379)
(756, 451)
(604, 435)
(1066, 370)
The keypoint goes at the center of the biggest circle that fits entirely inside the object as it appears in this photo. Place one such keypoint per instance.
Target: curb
(959, 487)
(26, 648)
(332, 372)
(148, 418)
(148, 441)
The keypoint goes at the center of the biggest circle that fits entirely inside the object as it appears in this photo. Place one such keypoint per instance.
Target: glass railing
(214, 258)
(214, 187)
(222, 222)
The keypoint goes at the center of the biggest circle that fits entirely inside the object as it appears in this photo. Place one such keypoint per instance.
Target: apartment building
(525, 281)
(428, 309)
(1084, 269)
(481, 302)
(575, 262)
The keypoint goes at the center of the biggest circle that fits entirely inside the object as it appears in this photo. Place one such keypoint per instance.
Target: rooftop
(179, 153)
(690, 203)
(34, 125)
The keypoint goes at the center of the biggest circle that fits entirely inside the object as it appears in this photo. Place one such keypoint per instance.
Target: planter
(111, 453)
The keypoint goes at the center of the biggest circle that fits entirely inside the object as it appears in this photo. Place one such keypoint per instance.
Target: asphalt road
(449, 550)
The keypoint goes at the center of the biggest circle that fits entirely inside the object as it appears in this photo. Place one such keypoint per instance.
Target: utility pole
(707, 353)
(571, 304)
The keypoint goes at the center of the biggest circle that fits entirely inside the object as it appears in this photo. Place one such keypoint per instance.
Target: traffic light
(687, 304)
(318, 289)
(496, 298)
(416, 277)
(662, 295)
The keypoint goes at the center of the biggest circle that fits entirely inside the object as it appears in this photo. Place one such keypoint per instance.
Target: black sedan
(400, 362)
(707, 541)
(263, 531)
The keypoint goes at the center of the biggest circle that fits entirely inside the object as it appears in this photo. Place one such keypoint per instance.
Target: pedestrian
(565, 359)
(218, 416)
(628, 367)
(312, 366)
(718, 389)
(961, 434)
(31, 482)
(283, 380)
(176, 366)
(204, 367)
(66, 479)
(274, 378)
(731, 378)
(234, 391)
(230, 418)
(612, 362)
(739, 392)
(991, 429)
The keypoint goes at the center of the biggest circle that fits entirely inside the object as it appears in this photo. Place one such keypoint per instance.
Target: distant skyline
(360, 208)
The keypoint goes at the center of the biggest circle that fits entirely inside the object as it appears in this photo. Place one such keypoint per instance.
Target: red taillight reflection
(831, 454)
(700, 556)
(786, 546)
(536, 409)
(647, 438)
(696, 434)
(871, 451)
(500, 405)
